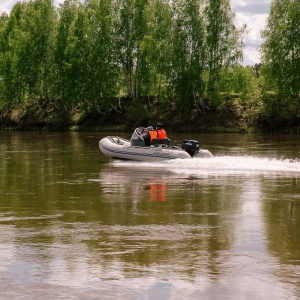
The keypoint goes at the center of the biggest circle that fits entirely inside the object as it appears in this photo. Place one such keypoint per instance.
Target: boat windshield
(138, 134)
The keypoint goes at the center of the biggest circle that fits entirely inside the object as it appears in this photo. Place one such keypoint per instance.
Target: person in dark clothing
(161, 134)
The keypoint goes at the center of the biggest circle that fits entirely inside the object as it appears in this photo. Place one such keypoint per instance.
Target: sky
(253, 13)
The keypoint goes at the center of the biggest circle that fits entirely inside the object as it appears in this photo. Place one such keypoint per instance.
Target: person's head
(158, 126)
(150, 128)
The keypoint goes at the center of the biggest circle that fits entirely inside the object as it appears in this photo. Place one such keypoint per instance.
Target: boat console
(137, 138)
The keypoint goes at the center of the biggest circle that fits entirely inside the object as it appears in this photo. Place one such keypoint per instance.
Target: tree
(103, 72)
(11, 82)
(76, 59)
(35, 48)
(188, 52)
(68, 12)
(224, 42)
(3, 22)
(281, 48)
(156, 45)
(131, 28)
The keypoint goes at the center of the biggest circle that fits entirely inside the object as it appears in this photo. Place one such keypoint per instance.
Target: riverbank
(124, 114)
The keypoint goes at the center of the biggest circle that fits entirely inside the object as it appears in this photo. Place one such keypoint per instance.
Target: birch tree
(281, 48)
(130, 29)
(224, 42)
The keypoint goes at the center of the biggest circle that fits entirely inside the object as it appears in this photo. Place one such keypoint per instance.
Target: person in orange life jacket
(152, 134)
(161, 134)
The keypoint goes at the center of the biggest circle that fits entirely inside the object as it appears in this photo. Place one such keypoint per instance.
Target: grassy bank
(125, 114)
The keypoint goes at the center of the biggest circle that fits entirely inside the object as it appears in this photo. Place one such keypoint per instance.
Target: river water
(76, 225)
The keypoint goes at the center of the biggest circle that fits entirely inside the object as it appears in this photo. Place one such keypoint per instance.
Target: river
(76, 225)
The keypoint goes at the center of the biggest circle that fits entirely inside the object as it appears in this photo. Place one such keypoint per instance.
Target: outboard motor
(191, 147)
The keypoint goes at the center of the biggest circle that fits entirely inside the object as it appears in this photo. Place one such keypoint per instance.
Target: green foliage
(131, 26)
(103, 71)
(77, 53)
(83, 54)
(11, 81)
(224, 42)
(35, 45)
(188, 55)
(240, 80)
(281, 64)
(156, 47)
(281, 49)
(68, 12)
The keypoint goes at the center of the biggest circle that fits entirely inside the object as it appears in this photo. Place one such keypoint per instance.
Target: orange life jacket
(153, 135)
(161, 134)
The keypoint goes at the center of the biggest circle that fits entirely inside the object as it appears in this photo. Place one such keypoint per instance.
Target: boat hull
(119, 148)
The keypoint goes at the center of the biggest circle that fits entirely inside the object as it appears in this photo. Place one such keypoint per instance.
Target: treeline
(82, 55)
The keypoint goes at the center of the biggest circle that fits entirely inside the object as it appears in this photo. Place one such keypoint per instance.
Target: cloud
(56, 2)
(6, 5)
(254, 9)
(254, 14)
(255, 23)
(251, 6)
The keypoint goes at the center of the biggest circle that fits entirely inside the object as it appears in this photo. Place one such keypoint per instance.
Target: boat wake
(220, 165)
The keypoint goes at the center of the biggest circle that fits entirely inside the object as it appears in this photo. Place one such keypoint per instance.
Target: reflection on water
(74, 225)
(157, 190)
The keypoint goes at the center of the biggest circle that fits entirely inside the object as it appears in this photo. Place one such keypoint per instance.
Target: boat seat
(165, 141)
(139, 143)
(154, 142)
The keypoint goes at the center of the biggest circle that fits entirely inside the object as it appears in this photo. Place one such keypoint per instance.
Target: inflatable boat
(138, 149)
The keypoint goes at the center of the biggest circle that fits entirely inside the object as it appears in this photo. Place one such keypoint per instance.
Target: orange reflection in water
(157, 190)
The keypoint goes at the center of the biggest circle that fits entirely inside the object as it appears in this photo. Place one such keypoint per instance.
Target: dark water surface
(76, 225)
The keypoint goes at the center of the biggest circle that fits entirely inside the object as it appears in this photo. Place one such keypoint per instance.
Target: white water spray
(221, 165)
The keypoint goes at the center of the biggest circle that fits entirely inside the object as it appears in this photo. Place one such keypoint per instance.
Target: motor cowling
(192, 147)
